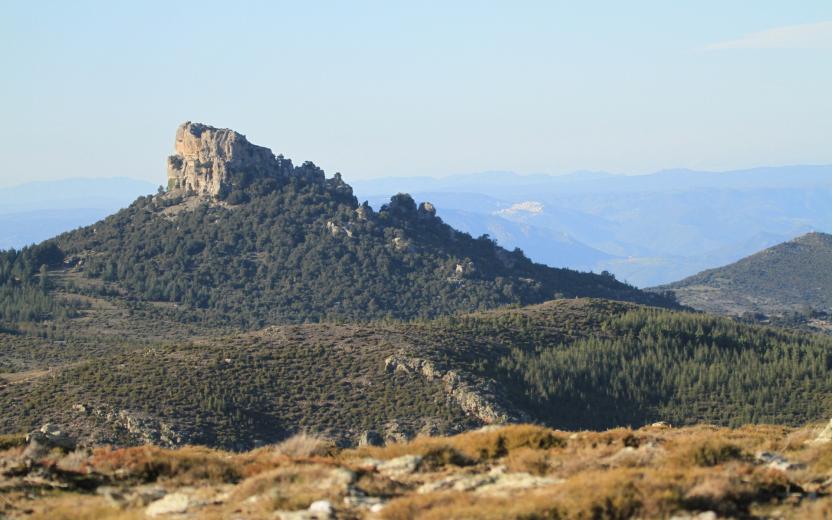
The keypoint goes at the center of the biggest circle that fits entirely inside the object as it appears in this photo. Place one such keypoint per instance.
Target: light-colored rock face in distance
(205, 155)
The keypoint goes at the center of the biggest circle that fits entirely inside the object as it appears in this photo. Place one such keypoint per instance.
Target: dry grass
(617, 474)
(613, 497)
(291, 487)
(305, 445)
(76, 507)
(186, 465)
(480, 445)
(14, 440)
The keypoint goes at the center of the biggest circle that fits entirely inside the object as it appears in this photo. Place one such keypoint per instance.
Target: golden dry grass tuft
(14, 440)
(290, 487)
(75, 507)
(516, 472)
(187, 465)
(479, 445)
(305, 445)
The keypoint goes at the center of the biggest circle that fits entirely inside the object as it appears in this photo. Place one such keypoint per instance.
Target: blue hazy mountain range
(36, 211)
(646, 229)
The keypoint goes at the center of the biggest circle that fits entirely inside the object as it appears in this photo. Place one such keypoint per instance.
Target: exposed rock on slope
(206, 156)
(479, 399)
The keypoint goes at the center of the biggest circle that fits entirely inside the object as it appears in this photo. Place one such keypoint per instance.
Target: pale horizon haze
(377, 89)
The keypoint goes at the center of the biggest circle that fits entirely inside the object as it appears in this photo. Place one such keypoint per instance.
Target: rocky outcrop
(205, 157)
(135, 428)
(49, 437)
(477, 399)
(370, 438)
(427, 210)
(337, 184)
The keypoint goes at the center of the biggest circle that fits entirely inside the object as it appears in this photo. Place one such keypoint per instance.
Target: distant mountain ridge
(650, 229)
(36, 211)
(646, 229)
(792, 276)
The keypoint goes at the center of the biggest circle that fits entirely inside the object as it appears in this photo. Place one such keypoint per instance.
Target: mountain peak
(206, 156)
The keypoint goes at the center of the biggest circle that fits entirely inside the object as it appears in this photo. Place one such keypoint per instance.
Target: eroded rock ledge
(478, 399)
(205, 155)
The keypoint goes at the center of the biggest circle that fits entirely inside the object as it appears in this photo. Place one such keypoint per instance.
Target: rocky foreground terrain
(517, 471)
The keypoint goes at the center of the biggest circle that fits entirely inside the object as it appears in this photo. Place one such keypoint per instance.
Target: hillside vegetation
(567, 364)
(282, 244)
(795, 276)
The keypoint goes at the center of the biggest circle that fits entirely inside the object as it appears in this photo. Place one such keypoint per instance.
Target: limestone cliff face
(205, 157)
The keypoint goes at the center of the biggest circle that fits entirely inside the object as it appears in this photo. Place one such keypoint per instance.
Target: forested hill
(572, 364)
(794, 276)
(244, 237)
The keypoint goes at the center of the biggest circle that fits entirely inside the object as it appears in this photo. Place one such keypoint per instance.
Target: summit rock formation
(206, 157)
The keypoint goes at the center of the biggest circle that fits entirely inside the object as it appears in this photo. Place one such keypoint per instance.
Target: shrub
(305, 445)
(713, 452)
(149, 463)
(13, 440)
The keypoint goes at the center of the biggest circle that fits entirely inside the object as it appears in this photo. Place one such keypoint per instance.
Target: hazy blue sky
(418, 88)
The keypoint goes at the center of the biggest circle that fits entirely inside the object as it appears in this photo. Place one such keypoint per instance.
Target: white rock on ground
(777, 461)
(173, 503)
(321, 507)
(825, 435)
(403, 465)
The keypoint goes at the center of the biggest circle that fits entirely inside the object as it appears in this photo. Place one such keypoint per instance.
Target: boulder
(370, 438)
(404, 465)
(49, 437)
(174, 503)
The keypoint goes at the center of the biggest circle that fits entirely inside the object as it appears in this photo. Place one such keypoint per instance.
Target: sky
(373, 89)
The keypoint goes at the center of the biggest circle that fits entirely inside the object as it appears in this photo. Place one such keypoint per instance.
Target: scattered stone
(139, 496)
(339, 478)
(825, 435)
(497, 482)
(369, 464)
(404, 465)
(661, 425)
(705, 515)
(777, 461)
(505, 484)
(318, 514)
(457, 483)
(321, 507)
(114, 495)
(363, 502)
(174, 503)
(630, 456)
